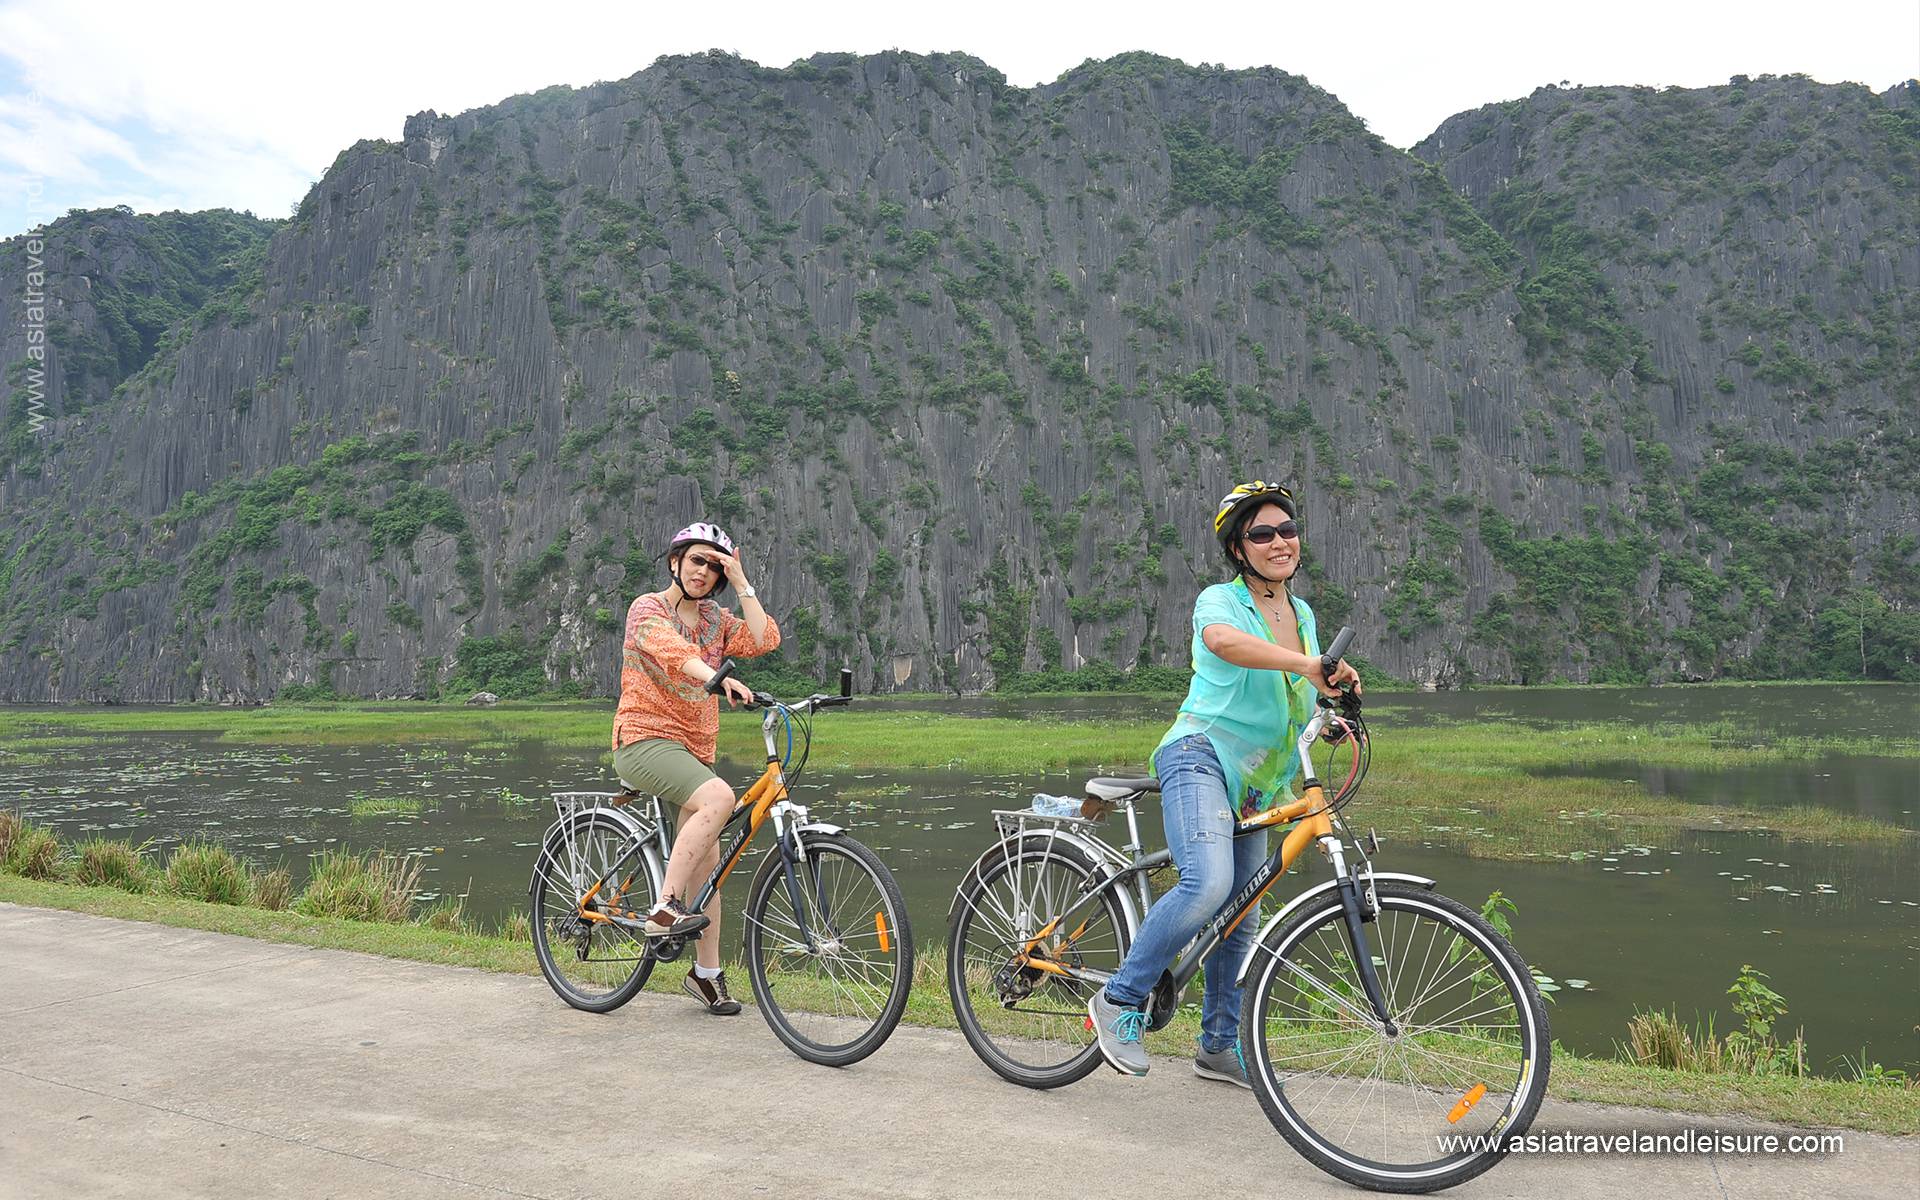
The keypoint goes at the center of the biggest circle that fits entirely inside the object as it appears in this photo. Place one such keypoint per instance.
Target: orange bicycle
(1392, 1035)
(827, 944)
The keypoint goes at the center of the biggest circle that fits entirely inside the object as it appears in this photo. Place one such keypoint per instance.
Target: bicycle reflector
(880, 927)
(1466, 1102)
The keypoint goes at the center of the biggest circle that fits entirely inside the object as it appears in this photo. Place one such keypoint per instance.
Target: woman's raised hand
(730, 563)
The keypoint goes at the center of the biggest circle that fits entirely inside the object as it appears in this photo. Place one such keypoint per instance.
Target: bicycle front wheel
(1422, 1108)
(832, 965)
(1010, 937)
(586, 864)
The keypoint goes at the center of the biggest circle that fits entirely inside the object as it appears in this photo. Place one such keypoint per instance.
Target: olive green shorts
(661, 767)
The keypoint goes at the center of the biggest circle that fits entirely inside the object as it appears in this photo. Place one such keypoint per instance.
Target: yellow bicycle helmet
(1240, 498)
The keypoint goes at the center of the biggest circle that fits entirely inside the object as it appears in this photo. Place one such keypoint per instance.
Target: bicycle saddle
(1121, 787)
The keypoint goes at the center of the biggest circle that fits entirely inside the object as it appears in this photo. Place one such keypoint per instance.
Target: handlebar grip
(727, 668)
(1337, 651)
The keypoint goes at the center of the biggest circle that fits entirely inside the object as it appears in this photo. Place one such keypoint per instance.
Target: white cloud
(243, 105)
(41, 139)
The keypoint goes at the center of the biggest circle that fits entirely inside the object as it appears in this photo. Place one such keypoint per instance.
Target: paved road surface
(142, 1061)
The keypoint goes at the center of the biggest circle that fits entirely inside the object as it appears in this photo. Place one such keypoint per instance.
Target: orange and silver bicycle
(827, 943)
(1394, 1038)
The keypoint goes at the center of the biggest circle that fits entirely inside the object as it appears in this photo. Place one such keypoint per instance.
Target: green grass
(1807, 1102)
(361, 807)
(1491, 789)
(208, 871)
(325, 724)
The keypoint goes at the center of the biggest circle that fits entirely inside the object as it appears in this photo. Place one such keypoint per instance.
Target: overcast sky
(243, 105)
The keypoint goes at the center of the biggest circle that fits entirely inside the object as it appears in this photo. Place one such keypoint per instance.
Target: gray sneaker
(1117, 1030)
(1225, 1065)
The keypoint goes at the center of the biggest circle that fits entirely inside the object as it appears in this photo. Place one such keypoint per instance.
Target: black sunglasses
(702, 562)
(1260, 535)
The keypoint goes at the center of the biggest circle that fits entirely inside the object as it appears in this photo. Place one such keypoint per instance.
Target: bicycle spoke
(1369, 1106)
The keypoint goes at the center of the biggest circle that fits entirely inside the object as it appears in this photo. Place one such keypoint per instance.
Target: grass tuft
(372, 887)
(364, 807)
(28, 849)
(273, 889)
(105, 862)
(208, 871)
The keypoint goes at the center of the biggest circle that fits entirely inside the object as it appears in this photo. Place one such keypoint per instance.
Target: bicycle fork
(1359, 905)
(793, 853)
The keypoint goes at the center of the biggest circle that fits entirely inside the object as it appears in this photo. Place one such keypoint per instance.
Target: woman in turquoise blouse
(1229, 754)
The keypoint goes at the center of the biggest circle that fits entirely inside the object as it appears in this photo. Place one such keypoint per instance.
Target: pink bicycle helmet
(701, 533)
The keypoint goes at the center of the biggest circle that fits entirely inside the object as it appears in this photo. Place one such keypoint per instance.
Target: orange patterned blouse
(656, 700)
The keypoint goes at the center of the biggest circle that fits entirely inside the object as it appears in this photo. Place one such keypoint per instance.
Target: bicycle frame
(765, 799)
(1311, 818)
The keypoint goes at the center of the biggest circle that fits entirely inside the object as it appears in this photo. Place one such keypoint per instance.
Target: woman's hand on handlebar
(737, 693)
(1343, 676)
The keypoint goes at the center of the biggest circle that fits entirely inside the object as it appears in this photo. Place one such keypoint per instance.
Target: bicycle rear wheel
(833, 986)
(586, 864)
(1418, 1110)
(1025, 1022)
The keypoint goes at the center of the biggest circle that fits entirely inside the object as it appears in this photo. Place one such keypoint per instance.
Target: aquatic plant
(1659, 1039)
(361, 806)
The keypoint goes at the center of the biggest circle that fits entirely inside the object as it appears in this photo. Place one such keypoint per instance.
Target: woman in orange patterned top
(665, 729)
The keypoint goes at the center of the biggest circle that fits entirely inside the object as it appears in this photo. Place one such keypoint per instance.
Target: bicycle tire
(561, 874)
(837, 1008)
(981, 934)
(1413, 1088)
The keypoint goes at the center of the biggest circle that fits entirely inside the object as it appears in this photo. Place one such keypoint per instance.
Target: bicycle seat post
(1133, 832)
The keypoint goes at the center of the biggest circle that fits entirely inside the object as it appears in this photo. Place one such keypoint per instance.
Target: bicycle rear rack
(568, 804)
(1019, 823)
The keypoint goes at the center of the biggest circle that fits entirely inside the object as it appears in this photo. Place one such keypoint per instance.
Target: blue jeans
(1213, 866)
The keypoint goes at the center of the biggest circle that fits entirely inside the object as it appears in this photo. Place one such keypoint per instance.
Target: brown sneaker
(712, 993)
(671, 919)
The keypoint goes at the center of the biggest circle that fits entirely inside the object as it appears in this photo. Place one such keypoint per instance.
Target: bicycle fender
(820, 827)
(1286, 910)
(638, 831)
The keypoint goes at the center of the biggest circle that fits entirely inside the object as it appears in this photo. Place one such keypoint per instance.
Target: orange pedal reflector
(1466, 1102)
(880, 927)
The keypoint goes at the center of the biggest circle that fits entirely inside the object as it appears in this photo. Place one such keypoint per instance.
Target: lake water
(1836, 926)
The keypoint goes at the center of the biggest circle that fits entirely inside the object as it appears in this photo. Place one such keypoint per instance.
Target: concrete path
(142, 1061)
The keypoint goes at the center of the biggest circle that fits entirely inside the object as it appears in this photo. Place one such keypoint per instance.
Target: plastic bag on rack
(1056, 806)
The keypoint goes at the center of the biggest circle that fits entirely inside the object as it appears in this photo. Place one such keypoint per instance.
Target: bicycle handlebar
(727, 668)
(1338, 650)
(730, 669)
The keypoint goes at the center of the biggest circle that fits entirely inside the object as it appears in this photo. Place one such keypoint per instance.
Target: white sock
(706, 972)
